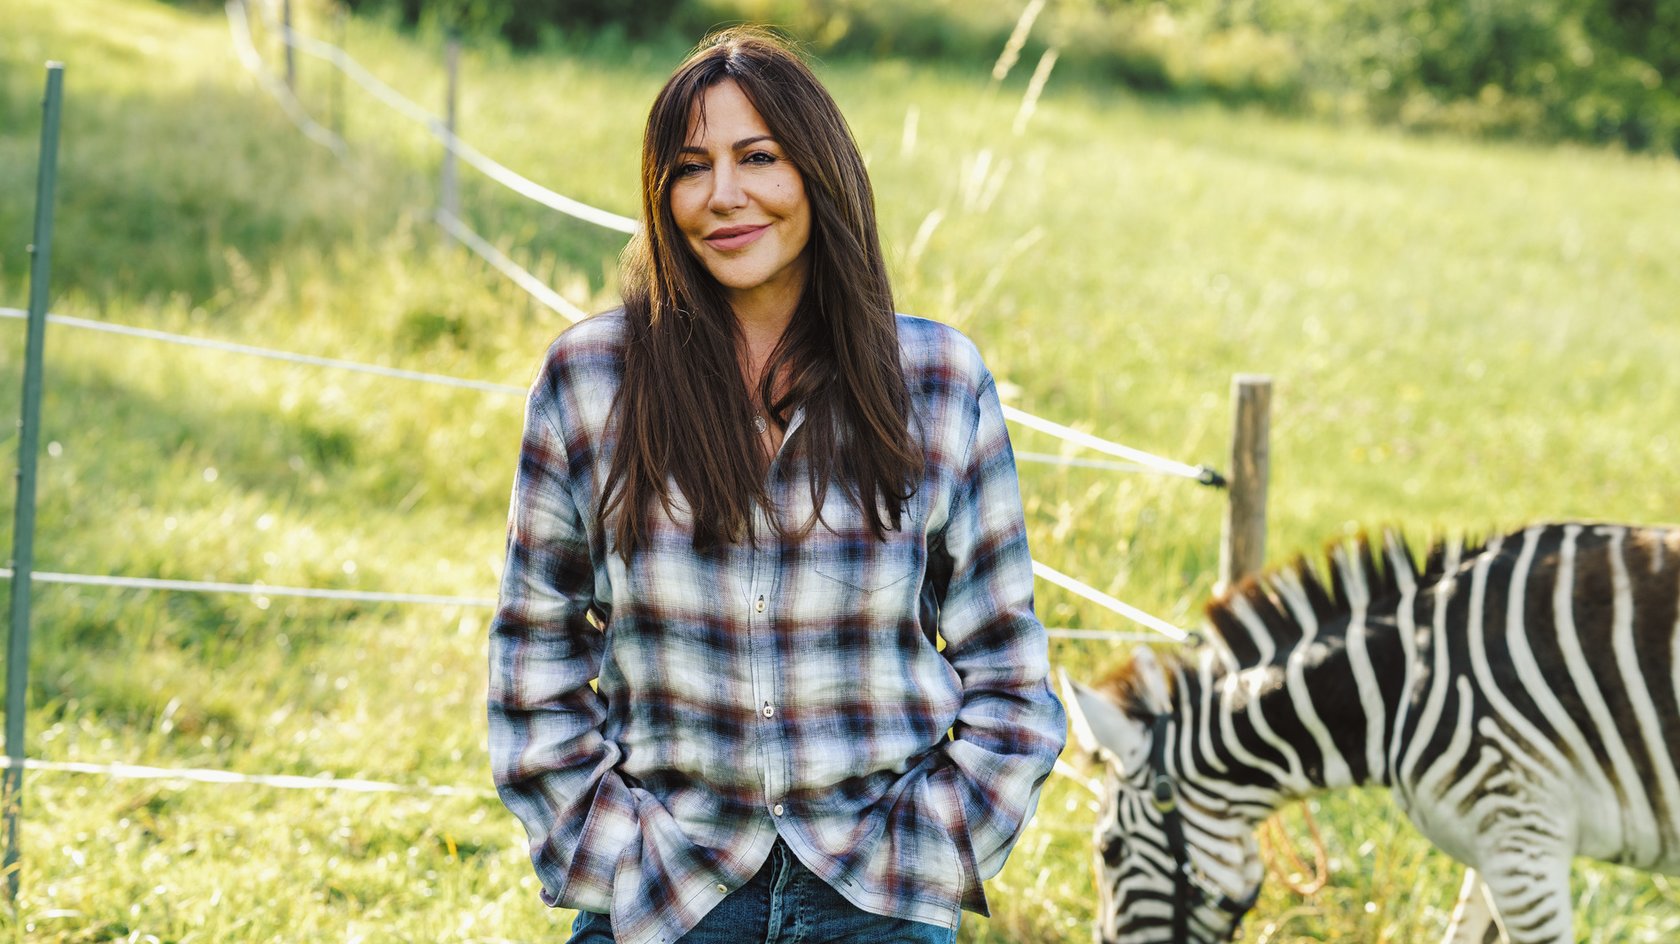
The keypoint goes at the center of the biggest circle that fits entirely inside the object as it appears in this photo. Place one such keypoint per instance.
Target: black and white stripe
(1519, 697)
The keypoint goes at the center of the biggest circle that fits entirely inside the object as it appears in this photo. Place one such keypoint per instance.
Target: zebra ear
(1152, 680)
(1101, 728)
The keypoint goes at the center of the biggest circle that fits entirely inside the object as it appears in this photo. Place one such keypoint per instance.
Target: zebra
(1519, 698)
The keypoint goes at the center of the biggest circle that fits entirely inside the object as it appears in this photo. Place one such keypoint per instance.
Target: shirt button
(723, 888)
(759, 606)
(769, 710)
(777, 809)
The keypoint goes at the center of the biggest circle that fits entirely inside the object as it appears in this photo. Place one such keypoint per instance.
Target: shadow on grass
(156, 183)
(129, 457)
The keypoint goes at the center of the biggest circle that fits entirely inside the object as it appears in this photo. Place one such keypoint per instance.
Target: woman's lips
(736, 237)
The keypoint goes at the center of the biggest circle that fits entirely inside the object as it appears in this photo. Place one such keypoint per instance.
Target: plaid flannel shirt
(797, 688)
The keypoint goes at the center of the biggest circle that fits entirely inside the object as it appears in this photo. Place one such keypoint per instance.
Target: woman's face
(740, 204)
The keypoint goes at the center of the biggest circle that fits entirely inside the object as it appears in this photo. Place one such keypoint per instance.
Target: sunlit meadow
(1463, 336)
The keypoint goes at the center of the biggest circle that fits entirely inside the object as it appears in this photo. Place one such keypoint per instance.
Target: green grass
(1462, 336)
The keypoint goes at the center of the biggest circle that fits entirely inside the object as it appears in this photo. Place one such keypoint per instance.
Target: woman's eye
(690, 169)
(760, 157)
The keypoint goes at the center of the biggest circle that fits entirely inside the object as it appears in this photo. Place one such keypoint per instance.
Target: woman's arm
(1010, 726)
(552, 766)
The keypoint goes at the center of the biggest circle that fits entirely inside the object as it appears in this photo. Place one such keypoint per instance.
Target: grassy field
(1463, 336)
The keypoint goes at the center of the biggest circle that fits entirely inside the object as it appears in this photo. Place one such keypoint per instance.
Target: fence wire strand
(252, 589)
(231, 347)
(118, 770)
(1098, 444)
(374, 596)
(513, 270)
(1052, 575)
(559, 304)
(530, 188)
(1050, 458)
(1105, 635)
(501, 173)
(121, 771)
(240, 28)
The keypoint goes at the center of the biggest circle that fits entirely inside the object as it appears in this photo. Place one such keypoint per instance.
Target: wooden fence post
(1242, 548)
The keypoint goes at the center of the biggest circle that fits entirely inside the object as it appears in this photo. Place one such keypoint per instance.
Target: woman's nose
(727, 193)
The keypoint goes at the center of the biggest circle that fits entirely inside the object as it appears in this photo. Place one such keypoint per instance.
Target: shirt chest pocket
(850, 574)
(866, 578)
(867, 573)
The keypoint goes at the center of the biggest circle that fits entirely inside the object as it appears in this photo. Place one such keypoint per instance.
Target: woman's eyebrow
(738, 145)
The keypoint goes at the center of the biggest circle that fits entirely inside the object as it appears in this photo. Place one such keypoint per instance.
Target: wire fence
(230, 347)
(453, 145)
(353, 785)
(496, 171)
(1132, 460)
(121, 771)
(1045, 572)
(126, 771)
(424, 599)
(499, 260)
(239, 25)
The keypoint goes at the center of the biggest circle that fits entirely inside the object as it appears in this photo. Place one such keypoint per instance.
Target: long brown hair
(684, 411)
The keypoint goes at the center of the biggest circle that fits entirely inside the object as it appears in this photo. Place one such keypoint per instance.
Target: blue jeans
(784, 904)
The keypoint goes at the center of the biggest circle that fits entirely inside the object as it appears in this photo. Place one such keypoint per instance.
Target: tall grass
(1463, 336)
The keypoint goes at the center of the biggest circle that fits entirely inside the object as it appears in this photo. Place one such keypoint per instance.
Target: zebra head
(1173, 864)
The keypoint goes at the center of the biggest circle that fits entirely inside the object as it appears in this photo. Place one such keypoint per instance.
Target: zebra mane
(1259, 620)
(1264, 604)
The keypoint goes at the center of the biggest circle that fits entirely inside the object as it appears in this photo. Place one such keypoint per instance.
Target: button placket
(765, 675)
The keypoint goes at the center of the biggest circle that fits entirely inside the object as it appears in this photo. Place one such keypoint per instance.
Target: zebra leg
(1473, 920)
(1529, 892)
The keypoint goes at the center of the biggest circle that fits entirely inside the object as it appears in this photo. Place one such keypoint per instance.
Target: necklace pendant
(759, 424)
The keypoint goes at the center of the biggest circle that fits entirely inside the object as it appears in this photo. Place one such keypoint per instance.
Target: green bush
(1564, 68)
(525, 23)
(1594, 70)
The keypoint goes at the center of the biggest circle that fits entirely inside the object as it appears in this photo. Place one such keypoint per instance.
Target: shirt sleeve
(1011, 725)
(552, 766)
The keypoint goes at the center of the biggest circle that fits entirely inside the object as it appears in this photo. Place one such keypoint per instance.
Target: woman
(778, 527)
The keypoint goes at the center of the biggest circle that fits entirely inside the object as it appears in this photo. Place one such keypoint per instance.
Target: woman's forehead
(721, 114)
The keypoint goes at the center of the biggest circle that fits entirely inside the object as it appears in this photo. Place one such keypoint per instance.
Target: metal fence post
(29, 435)
(291, 54)
(449, 201)
(1243, 548)
(340, 14)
